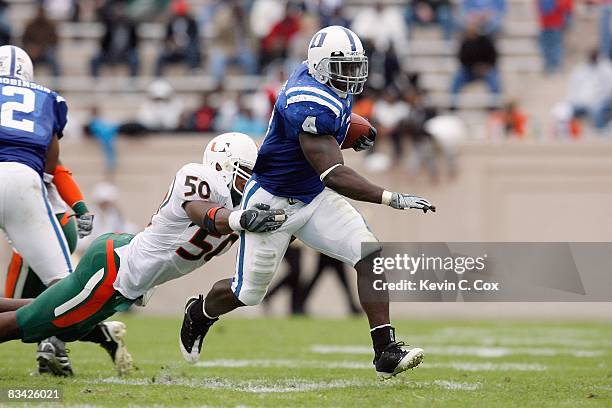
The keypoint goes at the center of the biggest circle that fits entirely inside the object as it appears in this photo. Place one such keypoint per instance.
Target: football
(358, 127)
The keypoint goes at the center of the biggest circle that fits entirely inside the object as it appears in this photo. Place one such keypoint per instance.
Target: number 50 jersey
(31, 115)
(172, 245)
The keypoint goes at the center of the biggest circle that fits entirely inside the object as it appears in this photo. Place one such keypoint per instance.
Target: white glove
(402, 201)
(84, 224)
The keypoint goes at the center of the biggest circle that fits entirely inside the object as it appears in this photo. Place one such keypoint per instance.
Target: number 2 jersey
(31, 115)
(172, 245)
(303, 105)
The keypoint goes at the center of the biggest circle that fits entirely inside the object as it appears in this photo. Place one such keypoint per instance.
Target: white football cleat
(396, 359)
(115, 346)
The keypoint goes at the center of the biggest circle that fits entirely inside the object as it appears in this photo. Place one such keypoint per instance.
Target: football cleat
(52, 357)
(193, 333)
(395, 359)
(115, 346)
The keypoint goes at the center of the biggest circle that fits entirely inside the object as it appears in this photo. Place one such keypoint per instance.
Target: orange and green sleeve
(69, 190)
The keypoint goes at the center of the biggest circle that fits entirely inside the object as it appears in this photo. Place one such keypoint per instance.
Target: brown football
(358, 127)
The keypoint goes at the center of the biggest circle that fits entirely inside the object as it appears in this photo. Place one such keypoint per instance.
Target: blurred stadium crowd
(233, 56)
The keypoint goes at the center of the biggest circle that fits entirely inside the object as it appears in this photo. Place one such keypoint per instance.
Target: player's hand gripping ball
(361, 134)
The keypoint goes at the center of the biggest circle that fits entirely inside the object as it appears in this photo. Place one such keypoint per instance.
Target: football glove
(84, 224)
(261, 218)
(402, 201)
(365, 142)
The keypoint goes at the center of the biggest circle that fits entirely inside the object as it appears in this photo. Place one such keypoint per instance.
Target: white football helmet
(227, 152)
(16, 63)
(336, 57)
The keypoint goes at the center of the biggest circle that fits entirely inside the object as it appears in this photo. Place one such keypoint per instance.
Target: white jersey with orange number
(172, 245)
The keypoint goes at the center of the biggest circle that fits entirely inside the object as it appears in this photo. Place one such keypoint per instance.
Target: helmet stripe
(13, 60)
(351, 39)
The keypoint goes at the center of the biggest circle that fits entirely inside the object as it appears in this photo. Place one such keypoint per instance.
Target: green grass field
(312, 362)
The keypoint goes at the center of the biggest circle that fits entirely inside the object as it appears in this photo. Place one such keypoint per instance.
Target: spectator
(388, 113)
(182, 40)
(590, 90)
(488, 13)
(232, 43)
(161, 111)
(108, 215)
(554, 16)
(228, 106)
(413, 126)
(246, 122)
(509, 122)
(105, 133)
(276, 43)
(382, 26)
(60, 10)
(336, 17)
(338, 268)
(5, 26)
(277, 77)
(478, 62)
(203, 119)
(264, 15)
(40, 41)
(605, 29)
(364, 104)
(119, 44)
(426, 12)
(447, 132)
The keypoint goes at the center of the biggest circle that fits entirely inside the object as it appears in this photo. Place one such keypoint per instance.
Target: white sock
(204, 310)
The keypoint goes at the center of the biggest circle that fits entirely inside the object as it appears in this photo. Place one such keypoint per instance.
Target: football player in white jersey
(300, 168)
(196, 221)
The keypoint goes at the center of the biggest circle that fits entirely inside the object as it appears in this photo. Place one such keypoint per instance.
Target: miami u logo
(219, 149)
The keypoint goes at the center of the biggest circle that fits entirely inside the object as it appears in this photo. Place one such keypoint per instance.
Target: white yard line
(456, 386)
(251, 386)
(354, 365)
(478, 351)
(278, 386)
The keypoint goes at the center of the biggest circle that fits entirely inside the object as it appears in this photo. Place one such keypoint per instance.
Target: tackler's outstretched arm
(218, 219)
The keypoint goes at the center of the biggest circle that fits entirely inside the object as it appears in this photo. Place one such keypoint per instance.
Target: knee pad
(261, 272)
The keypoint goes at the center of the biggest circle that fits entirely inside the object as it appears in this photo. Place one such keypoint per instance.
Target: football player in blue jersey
(300, 169)
(31, 123)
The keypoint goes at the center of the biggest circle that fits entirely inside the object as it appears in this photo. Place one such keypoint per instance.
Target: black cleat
(394, 359)
(193, 333)
(52, 358)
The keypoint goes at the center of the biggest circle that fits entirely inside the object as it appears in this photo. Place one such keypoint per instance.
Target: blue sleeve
(311, 118)
(61, 115)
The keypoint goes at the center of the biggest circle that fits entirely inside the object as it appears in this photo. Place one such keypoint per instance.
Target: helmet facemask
(242, 169)
(345, 74)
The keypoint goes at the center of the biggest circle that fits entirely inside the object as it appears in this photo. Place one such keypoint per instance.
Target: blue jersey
(303, 105)
(31, 115)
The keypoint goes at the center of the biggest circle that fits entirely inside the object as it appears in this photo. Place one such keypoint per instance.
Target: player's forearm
(210, 216)
(222, 224)
(68, 189)
(349, 183)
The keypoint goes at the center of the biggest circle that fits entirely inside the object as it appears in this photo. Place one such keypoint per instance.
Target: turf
(313, 362)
